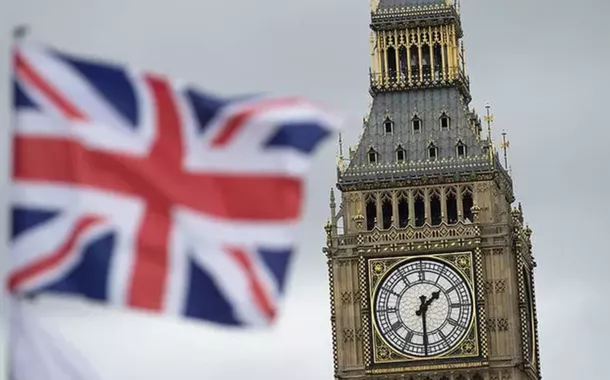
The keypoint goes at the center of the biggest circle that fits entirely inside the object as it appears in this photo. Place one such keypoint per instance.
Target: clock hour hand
(435, 296)
(423, 307)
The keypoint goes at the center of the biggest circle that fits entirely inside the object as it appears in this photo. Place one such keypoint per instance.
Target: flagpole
(19, 33)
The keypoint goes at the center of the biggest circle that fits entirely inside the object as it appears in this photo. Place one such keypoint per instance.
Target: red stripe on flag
(28, 73)
(237, 121)
(151, 266)
(236, 197)
(52, 259)
(257, 290)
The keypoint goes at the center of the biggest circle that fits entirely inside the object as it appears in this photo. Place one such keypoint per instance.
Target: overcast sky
(543, 65)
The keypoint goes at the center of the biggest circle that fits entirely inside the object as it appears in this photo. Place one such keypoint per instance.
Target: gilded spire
(489, 118)
(505, 144)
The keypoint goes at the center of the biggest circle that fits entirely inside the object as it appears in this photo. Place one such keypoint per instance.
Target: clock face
(423, 308)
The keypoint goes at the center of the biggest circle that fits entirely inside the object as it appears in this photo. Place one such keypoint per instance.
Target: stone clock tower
(430, 266)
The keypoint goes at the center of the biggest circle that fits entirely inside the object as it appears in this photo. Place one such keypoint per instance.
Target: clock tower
(430, 265)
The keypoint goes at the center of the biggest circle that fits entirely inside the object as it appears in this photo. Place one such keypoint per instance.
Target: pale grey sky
(542, 64)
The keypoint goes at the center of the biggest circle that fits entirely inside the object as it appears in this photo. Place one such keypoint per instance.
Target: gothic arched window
(461, 149)
(401, 154)
(467, 203)
(373, 156)
(432, 151)
(388, 126)
(386, 211)
(416, 122)
(403, 209)
(445, 121)
(419, 206)
(371, 211)
(436, 215)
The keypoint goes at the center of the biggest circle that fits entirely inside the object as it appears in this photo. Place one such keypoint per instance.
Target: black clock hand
(435, 296)
(425, 332)
(423, 308)
(421, 312)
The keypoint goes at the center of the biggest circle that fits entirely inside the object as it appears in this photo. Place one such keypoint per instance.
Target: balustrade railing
(393, 235)
(412, 78)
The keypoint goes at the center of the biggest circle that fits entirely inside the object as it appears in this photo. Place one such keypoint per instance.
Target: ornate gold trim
(468, 347)
(431, 367)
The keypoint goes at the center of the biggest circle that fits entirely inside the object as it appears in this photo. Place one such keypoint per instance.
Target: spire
(333, 212)
(341, 158)
(505, 144)
(489, 118)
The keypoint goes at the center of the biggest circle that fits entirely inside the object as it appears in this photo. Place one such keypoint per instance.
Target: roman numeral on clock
(396, 325)
(459, 305)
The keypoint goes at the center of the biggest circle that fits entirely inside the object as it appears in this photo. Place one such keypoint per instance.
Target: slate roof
(428, 105)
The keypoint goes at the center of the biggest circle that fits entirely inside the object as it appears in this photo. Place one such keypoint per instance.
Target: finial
(520, 208)
(341, 159)
(505, 145)
(489, 118)
(328, 227)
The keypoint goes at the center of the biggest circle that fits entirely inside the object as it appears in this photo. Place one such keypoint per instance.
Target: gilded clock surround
(468, 346)
(399, 207)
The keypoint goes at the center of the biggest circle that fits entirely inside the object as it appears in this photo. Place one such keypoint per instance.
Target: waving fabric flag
(133, 190)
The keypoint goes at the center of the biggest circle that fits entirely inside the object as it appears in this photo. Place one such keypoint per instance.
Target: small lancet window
(373, 156)
(417, 124)
(371, 212)
(388, 126)
(403, 210)
(467, 203)
(452, 206)
(432, 151)
(401, 154)
(436, 215)
(387, 212)
(461, 149)
(445, 121)
(419, 207)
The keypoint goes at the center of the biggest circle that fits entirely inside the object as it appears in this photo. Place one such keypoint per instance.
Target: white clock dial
(423, 308)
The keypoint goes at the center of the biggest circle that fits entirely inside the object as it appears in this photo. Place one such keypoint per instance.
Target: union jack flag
(132, 189)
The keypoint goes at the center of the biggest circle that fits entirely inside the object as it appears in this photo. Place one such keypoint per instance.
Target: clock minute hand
(423, 308)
